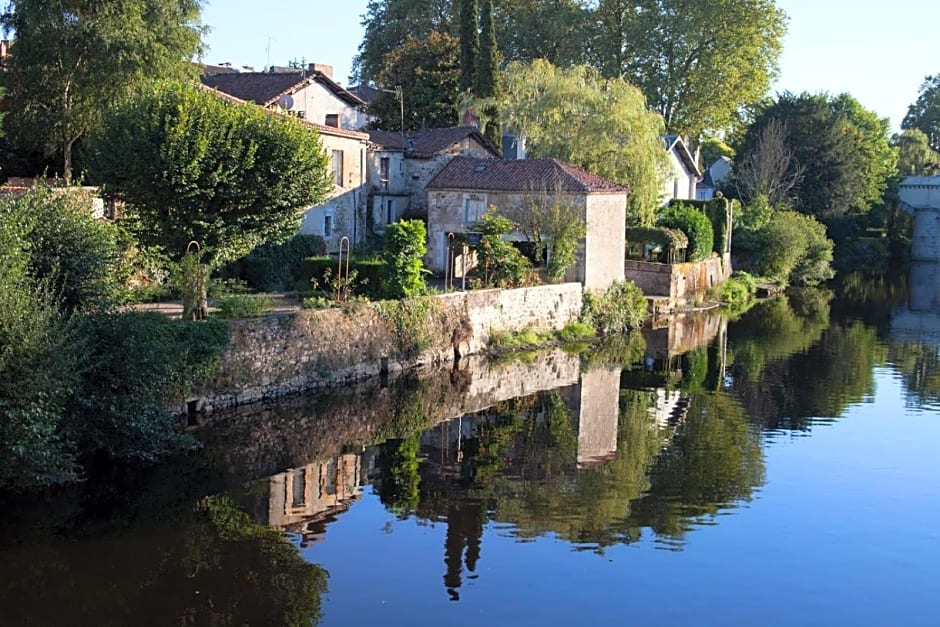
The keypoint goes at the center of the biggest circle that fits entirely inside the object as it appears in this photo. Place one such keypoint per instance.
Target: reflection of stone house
(463, 191)
(401, 166)
(683, 171)
(300, 499)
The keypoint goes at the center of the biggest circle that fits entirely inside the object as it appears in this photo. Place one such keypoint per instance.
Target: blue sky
(880, 56)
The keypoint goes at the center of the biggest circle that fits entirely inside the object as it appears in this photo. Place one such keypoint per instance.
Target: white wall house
(683, 171)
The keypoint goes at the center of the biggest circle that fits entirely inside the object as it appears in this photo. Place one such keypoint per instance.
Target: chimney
(326, 70)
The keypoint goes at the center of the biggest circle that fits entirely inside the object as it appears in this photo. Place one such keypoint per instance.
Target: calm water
(775, 469)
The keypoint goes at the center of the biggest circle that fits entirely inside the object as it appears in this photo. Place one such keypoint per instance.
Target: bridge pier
(920, 196)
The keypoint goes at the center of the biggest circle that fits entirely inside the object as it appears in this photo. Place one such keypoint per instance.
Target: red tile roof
(428, 142)
(522, 175)
(264, 88)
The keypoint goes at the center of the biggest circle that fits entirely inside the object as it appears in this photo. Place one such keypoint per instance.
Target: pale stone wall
(680, 282)
(316, 102)
(280, 355)
(604, 245)
(346, 207)
(598, 417)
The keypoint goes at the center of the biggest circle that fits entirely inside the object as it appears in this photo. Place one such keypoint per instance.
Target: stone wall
(680, 282)
(279, 355)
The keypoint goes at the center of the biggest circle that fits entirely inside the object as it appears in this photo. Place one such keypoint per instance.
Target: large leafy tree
(841, 149)
(428, 72)
(192, 167)
(389, 24)
(915, 158)
(696, 62)
(72, 58)
(924, 113)
(555, 30)
(600, 125)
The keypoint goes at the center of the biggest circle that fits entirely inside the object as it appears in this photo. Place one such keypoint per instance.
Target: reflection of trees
(919, 367)
(209, 566)
(398, 483)
(713, 460)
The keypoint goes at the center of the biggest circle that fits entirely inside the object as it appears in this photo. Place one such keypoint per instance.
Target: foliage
(74, 58)
(717, 211)
(789, 247)
(600, 125)
(191, 278)
(411, 318)
(839, 149)
(738, 290)
(713, 148)
(616, 351)
(557, 31)
(365, 276)
(469, 42)
(924, 113)
(276, 267)
(229, 176)
(428, 71)
(502, 263)
(577, 332)
(405, 247)
(768, 168)
(399, 482)
(486, 79)
(915, 157)
(695, 224)
(621, 308)
(78, 258)
(554, 226)
(243, 305)
(509, 341)
(697, 63)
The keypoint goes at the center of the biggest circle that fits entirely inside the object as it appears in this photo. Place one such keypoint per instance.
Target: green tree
(597, 124)
(501, 262)
(389, 24)
(192, 167)
(486, 84)
(697, 62)
(924, 113)
(915, 157)
(405, 247)
(841, 149)
(76, 57)
(428, 71)
(695, 224)
(554, 30)
(469, 42)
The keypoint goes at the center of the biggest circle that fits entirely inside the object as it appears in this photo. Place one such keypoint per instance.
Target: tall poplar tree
(73, 58)
(486, 84)
(469, 42)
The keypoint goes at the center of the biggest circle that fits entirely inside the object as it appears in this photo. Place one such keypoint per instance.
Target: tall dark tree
(486, 84)
(469, 42)
(555, 30)
(924, 113)
(75, 57)
(840, 147)
(428, 72)
(390, 23)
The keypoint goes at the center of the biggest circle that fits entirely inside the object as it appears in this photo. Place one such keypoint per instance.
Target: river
(778, 467)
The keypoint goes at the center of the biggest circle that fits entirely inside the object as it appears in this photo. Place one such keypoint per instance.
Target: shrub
(577, 332)
(405, 247)
(243, 306)
(318, 272)
(695, 225)
(621, 308)
(502, 263)
(738, 289)
(276, 267)
(510, 341)
(791, 247)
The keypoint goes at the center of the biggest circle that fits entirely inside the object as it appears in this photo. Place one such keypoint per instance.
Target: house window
(298, 487)
(384, 165)
(327, 225)
(390, 213)
(332, 119)
(473, 209)
(337, 163)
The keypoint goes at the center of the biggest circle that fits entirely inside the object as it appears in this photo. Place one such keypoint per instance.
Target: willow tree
(697, 62)
(600, 125)
(924, 113)
(192, 167)
(72, 58)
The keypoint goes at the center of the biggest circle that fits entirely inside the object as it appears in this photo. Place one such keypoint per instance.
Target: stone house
(683, 173)
(310, 94)
(465, 188)
(401, 166)
(341, 215)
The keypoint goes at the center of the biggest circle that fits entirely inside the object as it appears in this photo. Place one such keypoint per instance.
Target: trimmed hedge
(695, 224)
(275, 267)
(369, 274)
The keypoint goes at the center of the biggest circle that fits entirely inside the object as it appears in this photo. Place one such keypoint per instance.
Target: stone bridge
(920, 196)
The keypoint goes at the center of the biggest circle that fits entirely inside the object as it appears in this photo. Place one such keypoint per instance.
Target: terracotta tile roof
(264, 88)
(322, 128)
(428, 142)
(522, 175)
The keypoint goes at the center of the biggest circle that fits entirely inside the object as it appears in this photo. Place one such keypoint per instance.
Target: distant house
(466, 187)
(343, 214)
(401, 166)
(683, 173)
(310, 94)
(713, 178)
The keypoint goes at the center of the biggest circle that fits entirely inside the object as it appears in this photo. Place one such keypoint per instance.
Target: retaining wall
(279, 355)
(680, 282)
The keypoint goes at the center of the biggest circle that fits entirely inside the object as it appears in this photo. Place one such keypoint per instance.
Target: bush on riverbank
(621, 308)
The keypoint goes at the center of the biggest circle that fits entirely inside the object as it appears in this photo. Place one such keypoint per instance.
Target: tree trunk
(195, 293)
